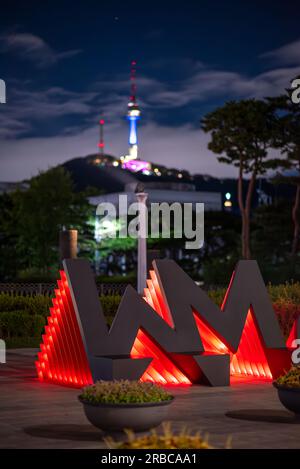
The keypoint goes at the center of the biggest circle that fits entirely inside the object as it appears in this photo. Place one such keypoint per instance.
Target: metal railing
(47, 289)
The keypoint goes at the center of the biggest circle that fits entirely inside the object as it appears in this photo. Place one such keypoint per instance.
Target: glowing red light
(101, 121)
(249, 360)
(62, 358)
(293, 336)
(101, 145)
(161, 370)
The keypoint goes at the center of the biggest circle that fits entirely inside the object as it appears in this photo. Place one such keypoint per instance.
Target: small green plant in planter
(116, 405)
(288, 388)
(291, 379)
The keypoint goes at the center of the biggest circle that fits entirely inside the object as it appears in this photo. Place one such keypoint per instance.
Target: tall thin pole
(133, 82)
(142, 242)
(101, 138)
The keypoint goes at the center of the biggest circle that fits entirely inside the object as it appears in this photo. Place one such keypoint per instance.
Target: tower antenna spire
(133, 82)
(101, 137)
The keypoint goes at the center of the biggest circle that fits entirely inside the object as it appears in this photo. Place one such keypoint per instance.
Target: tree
(41, 211)
(287, 138)
(241, 133)
(9, 261)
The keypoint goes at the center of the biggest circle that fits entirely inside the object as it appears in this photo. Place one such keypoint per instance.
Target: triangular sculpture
(166, 348)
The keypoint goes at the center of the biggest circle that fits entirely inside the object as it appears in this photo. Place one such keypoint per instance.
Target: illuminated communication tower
(133, 115)
(131, 161)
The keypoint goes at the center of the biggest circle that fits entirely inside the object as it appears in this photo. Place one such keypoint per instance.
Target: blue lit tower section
(133, 115)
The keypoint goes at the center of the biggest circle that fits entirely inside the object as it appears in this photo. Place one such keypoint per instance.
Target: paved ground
(39, 415)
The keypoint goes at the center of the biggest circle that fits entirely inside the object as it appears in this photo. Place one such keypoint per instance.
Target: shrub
(217, 296)
(285, 299)
(286, 313)
(110, 304)
(20, 324)
(38, 304)
(12, 303)
(279, 294)
(124, 392)
(285, 293)
(130, 279)
(167, 440)
(291, 379)
(23, 342)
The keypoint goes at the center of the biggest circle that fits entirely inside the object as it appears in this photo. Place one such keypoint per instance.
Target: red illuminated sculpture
(174, 335)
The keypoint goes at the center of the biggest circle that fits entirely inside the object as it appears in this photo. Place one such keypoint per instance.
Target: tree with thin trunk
(241, 133)
(287, 138)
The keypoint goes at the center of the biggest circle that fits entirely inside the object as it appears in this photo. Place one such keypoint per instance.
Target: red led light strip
(62, 358)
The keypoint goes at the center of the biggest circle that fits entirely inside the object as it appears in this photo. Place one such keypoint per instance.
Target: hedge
(38, 304)
(20, 324)
(285, 299)
(25, 316)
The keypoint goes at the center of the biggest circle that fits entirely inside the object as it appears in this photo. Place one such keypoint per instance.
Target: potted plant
(288, 388)
(116, 405)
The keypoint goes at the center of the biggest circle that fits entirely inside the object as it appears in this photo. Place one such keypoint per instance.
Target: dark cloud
(182, 145)
(287, 54)
(33, 48)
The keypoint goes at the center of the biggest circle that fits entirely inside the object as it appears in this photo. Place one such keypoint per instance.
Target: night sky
(67, 63)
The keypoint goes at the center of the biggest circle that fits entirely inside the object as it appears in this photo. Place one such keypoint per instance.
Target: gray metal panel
(247, 289)
(86, 303)
(216, 368)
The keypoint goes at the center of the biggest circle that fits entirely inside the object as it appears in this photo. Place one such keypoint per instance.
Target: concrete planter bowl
(289, 398)
(117, 417)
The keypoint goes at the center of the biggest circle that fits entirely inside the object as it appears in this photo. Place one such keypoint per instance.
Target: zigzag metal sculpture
(176, 334)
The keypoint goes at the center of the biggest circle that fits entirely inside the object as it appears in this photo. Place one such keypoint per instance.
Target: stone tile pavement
(39, 415)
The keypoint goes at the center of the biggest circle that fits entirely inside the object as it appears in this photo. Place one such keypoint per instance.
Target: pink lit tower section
(131, 160)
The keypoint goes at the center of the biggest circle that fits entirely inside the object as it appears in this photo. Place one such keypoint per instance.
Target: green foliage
(285, 299)
(110, 245)
(124, 392)
(166, 440)
(287, 130)
(129, 278)
(23, 342)
(241, 132)
(110, 304)
(288, 293)
(218, 271)
(8, 239)
(217, 296)
(37, 275)
(286, 314)
(285, 293)
(34, 217)
(291, 379)
(272, 232)
(38, 304)
(20, 324)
